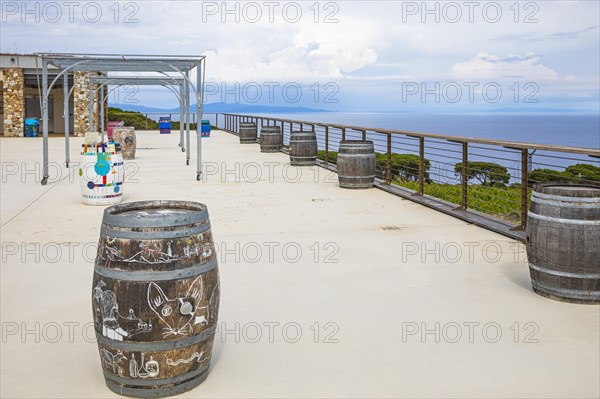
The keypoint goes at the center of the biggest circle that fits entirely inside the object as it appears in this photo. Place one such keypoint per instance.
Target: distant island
(222, 108)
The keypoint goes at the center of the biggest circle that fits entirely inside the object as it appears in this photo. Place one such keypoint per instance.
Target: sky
(354, 56)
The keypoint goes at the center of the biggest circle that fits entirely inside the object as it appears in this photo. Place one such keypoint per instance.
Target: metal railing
(430, 165)
(175, 117)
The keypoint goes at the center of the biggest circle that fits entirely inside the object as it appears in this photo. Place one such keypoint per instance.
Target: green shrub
(404, 166)
(487, 173)
(548, 175)
(584, 171)
(135, 119)
(332, 156)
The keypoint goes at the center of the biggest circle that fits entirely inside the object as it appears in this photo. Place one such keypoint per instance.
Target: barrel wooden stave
(125, 136)
(563, 236)
(248, 133)
(139, 288)
(271, 139)
(303, 148)
(356, 164)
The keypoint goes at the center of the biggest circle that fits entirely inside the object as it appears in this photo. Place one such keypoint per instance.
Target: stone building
(20, 97)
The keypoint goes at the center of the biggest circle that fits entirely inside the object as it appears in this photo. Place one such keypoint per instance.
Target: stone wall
(13, 90)
(81, 102)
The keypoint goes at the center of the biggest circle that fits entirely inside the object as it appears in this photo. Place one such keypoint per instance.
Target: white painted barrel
(101, 173)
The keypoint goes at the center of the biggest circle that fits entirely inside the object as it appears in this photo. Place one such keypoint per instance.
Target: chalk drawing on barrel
(196, 356)
(170, 312)
(112, 359)
(148, 369)
(114, 325)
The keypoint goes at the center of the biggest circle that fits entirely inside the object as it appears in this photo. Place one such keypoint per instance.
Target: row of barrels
(563, 227)
(355, 162)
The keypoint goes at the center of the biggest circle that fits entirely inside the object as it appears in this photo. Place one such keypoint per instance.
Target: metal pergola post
(199, 109)
(102, 112)
(91, 108)
(45, 120)
(187, 118)
(181, 105)
(66, 115)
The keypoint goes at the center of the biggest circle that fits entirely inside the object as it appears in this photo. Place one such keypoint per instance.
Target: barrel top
(162, 213)
(569, 189)
(356, 143)
(304, 133)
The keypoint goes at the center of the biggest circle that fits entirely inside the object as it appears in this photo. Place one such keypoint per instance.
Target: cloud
(284, 52)
(538, 37)
(488, 66)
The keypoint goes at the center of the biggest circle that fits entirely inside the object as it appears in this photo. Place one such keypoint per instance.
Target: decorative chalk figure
(112, 360)
(152, 367)
(114, 325)
(178, 313)
(133, 366)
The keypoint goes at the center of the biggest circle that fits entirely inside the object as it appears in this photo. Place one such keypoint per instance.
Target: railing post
(388, 168)
(364, 135)
(326, 144)
(524, 184)
(146, 121)
(464, 201)
(343, 134)
(421, 165)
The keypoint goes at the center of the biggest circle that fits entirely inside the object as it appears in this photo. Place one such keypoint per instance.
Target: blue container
(164, 124)
(205, 128)
(32, 127)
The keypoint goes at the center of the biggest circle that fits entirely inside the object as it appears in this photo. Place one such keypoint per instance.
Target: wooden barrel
(303, 148)
(271, 139)
(125, 135)
(155, 297)
(101, 174)
(563, 236)
(248, 133)
(356, 164)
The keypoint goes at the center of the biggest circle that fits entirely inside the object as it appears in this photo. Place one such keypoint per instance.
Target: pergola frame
(106, 63)
(165, 81)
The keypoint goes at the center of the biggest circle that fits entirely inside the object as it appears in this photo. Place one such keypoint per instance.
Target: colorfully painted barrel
(125, 135)
(303, 148)
(155, 297)
(563, 242)
(248, 133)
(111, 126)
(101, 173)
(271, 139)
(356, 164)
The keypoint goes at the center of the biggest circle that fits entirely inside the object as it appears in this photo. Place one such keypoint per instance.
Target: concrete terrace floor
(393, 299)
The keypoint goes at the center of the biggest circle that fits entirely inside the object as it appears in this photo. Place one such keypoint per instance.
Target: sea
(556, 129)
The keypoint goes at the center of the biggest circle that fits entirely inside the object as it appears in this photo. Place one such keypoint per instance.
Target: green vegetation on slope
(135, 119)
(492, 196)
